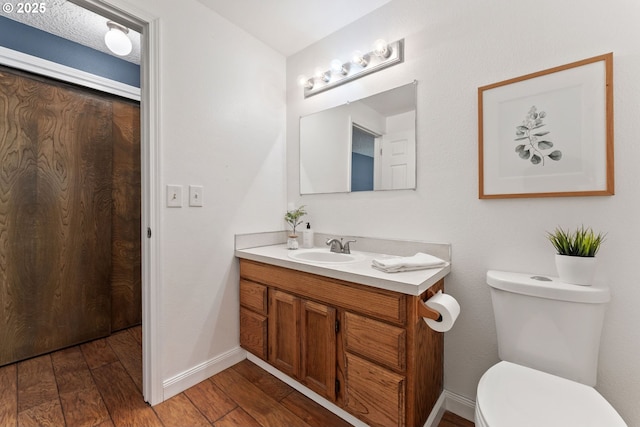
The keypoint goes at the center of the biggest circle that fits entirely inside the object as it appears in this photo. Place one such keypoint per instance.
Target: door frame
(149, 27)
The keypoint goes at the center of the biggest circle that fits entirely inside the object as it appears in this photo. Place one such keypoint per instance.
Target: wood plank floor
(100, 384)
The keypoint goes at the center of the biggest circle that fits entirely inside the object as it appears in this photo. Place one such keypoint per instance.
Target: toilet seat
(513, 395)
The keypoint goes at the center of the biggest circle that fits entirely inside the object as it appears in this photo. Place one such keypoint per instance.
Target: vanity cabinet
(362, 348)
(302, 341)
(253, 318)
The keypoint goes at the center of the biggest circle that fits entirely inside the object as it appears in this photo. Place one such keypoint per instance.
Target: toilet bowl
(548, 341)
(511, 395)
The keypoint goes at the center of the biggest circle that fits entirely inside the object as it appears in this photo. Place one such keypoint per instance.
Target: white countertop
(409, 282)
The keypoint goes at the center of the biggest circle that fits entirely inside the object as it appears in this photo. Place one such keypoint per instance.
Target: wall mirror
(364, 145)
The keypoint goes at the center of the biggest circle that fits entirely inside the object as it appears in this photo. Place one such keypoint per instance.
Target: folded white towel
(419, 261)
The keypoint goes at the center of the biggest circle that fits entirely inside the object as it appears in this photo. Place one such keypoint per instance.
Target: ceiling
(287, 26)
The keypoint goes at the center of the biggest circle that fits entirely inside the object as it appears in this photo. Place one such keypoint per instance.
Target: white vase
(292, 242)
(576, 270)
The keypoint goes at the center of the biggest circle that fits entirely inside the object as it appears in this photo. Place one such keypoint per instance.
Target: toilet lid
(513, 395)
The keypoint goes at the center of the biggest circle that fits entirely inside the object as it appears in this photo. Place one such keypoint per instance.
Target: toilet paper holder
(428, 312)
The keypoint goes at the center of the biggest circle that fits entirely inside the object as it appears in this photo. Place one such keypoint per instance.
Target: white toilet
(548, 341)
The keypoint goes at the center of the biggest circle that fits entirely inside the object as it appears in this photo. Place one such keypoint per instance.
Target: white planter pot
(575, 269)
(292, 242)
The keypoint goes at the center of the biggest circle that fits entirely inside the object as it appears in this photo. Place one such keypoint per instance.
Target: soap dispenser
(307, 237)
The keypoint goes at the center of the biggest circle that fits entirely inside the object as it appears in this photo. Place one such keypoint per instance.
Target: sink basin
(324, 256)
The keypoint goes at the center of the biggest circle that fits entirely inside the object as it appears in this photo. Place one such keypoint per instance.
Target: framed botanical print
(549, 133)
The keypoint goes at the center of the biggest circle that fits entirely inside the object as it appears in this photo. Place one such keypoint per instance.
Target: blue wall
(361, 172)
(35, 42)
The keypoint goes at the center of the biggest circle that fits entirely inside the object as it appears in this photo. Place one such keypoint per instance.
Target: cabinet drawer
(380, 303)
(374, 394)
(253, 332)
(253, 296)
(380, 342)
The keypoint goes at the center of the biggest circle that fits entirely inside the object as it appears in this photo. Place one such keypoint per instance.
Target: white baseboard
(447, 401)
(451, 402)
(307, 392)
(460, 405)
(201, 372)
(437, 412)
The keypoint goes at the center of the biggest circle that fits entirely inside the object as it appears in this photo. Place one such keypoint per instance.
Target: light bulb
(302, 80)
(338, 68)
(325, 76)
(359, 59)
(305, 82)
(116, 39)
(381, 48)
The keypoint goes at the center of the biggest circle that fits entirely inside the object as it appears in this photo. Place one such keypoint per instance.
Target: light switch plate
(174, 196)
(195, 195)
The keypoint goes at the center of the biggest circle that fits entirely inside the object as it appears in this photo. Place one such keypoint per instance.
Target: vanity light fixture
(381, 48)
(117, 40)
(382, 56)
(324, 76)
(305, 82)
(359, 59)
(339, 68)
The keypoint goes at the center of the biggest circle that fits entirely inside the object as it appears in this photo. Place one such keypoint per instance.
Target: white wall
(326, 157)
(452, 48)
(222, 98)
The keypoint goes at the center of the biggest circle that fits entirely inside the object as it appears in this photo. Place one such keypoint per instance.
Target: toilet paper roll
(448, 308)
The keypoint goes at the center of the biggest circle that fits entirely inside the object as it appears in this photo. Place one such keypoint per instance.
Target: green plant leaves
(583, 242)
(293, 217)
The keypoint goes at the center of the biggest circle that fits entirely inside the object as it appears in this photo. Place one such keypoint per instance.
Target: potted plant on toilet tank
(575, 254)
(293, 219)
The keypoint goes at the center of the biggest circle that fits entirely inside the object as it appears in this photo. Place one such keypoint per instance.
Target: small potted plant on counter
(575, 254)
(293, 219)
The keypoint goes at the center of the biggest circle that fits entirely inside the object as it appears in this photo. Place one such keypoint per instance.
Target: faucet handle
(345, 246)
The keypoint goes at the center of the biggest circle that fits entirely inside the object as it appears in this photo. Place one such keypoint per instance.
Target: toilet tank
(548, 325)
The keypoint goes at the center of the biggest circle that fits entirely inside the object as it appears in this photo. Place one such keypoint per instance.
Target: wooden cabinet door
(318, 348)
(284, 332)
(253, 332)
(374, 394)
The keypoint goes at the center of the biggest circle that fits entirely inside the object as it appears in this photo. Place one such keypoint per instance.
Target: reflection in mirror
(366, 145)
(363, 147)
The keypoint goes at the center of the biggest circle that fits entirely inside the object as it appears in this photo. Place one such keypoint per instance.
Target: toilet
(548, 343)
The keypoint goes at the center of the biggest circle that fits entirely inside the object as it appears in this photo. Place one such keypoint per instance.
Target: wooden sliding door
(126, 276)
(55, 215)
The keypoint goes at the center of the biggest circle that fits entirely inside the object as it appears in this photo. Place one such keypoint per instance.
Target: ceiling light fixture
(117, 40)
(382, 56)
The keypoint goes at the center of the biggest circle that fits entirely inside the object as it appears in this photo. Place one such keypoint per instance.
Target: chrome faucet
(338, 247)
